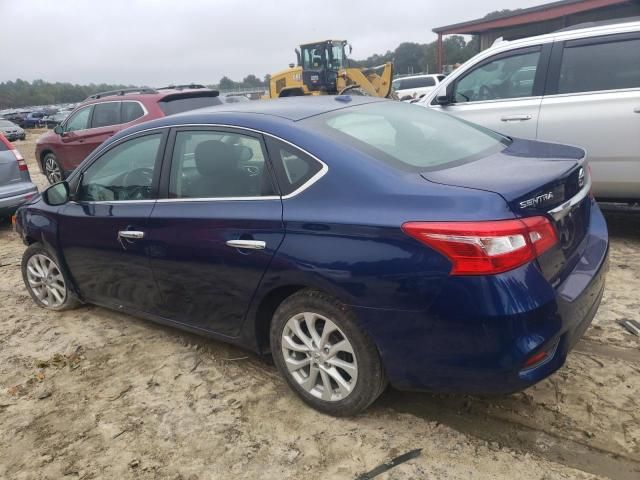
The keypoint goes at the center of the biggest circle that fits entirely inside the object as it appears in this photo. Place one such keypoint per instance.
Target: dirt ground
(93, 393)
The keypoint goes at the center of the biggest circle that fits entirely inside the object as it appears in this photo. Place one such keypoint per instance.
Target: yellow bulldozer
(323, 69)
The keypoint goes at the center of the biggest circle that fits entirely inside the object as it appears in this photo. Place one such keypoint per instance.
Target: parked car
(17, 117)
(34, 120)
(15, 183)
(53, 120)
(11, 131)
(356, 239)
(579, 86)
(415, 86)
(102, 115)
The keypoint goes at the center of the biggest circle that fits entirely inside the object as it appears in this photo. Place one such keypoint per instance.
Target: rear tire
(52, 169)
(46, 282)
(324, 356)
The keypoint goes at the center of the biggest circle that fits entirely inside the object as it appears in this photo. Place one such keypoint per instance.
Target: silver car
(15, 182)
(11, 131)
(578, 86)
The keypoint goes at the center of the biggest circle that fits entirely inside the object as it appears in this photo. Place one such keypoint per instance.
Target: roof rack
(122, 91)
(600, 23)
(182, 87)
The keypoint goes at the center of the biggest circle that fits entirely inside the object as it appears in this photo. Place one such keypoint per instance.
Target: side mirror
(58, 129)
(56, 194)
(447, 98)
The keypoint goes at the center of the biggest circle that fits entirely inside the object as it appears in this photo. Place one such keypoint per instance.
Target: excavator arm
(370, 80)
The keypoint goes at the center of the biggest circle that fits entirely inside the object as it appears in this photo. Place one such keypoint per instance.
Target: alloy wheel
(46, 281)
(52, 170)
(319, 356)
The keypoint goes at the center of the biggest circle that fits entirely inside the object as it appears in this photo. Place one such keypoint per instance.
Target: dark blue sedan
(358, 241)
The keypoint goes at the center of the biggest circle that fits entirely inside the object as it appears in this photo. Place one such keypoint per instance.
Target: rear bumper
(9, 204)
(479, 333)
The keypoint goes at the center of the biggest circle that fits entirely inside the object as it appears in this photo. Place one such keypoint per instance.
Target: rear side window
(131, 111)
(208, 164)
(293, 167)
(177, 104)
(105, 114)
(600, 66)
(419, 82)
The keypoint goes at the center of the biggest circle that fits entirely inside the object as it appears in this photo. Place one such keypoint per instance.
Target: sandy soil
(93, 393)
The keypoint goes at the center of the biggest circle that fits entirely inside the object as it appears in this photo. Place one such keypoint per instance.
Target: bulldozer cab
(321, 63)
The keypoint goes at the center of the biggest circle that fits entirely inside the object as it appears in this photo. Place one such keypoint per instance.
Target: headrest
(214, 157)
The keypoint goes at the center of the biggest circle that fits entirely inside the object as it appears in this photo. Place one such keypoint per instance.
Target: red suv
(102, 115)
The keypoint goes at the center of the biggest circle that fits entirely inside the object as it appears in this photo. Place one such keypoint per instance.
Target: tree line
(407, 57)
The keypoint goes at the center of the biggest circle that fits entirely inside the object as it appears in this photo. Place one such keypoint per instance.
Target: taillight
(22, 165)
(482, 248)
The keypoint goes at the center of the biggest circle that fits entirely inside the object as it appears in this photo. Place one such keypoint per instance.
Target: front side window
(123, 173)
(407, 136)
(79, 120)
(105, 114)
(505, 77)
(600, 66)
(208, 164)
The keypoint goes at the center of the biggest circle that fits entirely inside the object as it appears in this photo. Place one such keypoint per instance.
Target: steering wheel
(137, 183)
(486, 93)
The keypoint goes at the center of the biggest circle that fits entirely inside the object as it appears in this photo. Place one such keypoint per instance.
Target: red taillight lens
(22, 165)
(481, 248)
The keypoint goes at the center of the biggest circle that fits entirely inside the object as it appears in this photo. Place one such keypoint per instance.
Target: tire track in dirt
(515, 435)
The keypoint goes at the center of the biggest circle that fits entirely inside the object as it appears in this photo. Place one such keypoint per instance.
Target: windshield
(330, 55)
(409, 136)
(6, 123)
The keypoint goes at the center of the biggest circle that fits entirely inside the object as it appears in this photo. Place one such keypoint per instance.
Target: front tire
(52, 169)
(45, 280)
(324, 355)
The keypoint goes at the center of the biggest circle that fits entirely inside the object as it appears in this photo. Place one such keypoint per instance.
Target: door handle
(636, 110)
(130, 234)
(515, 118)
(248, 244)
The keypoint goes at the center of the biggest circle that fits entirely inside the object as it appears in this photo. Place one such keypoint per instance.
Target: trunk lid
(534, 178)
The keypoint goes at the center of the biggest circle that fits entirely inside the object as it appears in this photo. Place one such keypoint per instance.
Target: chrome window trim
(321, 173)
(561, 211)
(146, 112)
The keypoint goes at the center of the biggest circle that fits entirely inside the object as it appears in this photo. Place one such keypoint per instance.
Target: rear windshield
(418, 82)
(179, 104)
(409, 136)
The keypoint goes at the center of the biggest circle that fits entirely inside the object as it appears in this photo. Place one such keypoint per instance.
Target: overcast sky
(153, 42)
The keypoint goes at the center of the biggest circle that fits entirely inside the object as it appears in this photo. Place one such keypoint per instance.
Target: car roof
(290, 108)
(143, 95)
(569, 33)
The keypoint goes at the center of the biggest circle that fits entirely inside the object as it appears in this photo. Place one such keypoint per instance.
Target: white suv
(577, 86)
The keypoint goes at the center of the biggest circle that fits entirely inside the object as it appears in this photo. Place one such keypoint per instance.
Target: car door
(593, 101)
(105, 120)
(214, 234)
(73, 147)
(502, 92)
(102, 230)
